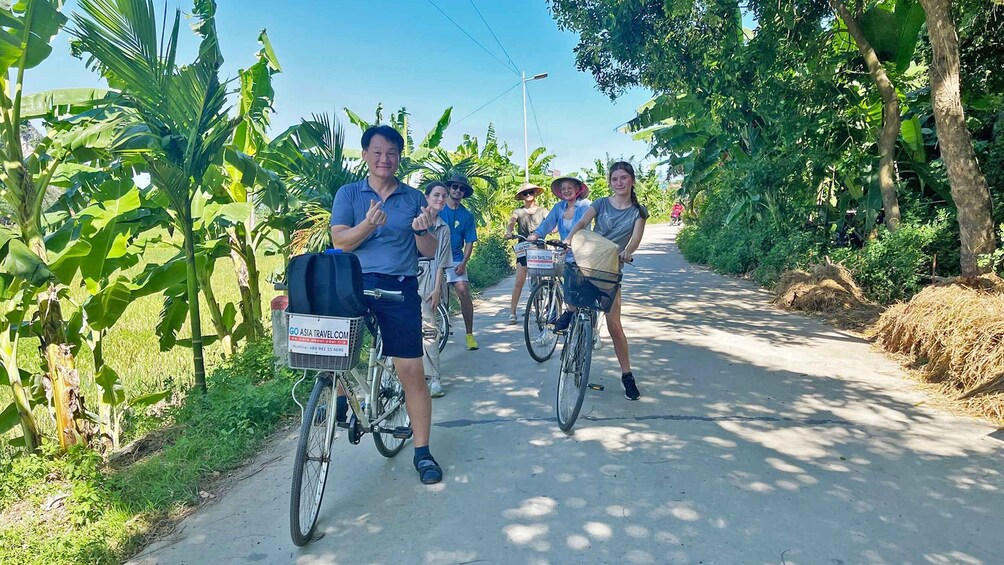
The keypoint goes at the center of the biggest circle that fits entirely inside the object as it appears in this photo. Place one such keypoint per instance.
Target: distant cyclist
(386, 224)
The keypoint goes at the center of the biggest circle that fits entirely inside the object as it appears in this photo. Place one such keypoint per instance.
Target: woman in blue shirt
(567, 212)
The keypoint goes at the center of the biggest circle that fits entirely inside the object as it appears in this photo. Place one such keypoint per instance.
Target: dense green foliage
(492, 260)
(775, 129)
(102, 513)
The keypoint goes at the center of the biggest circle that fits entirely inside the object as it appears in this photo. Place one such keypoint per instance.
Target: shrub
(492, 260)
(894, 266)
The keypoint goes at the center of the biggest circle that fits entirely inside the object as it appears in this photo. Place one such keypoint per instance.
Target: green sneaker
(472, 343)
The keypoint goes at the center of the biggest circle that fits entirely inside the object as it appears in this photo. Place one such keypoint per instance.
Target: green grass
(105, 514)
(76, 508)
(131, 346)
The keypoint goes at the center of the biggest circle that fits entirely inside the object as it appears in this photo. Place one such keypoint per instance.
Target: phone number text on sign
(319, 336)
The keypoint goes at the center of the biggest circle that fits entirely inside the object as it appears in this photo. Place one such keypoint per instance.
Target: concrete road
(762, 437)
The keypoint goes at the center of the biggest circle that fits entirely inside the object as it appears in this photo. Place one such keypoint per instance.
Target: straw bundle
(953, 332)
(829, 290)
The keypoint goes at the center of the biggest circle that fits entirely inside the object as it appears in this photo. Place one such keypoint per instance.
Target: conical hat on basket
(595, 252)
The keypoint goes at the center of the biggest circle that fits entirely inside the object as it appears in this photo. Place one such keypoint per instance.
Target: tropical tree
(311, 160)
(487, 197)
(244, 237)
(177, 121)
(412, 155)
(969, 186)
(29, 164)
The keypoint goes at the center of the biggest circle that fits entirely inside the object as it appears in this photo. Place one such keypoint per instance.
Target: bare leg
(417, 399)
(517, 288)
(466, 304)
(617, 335)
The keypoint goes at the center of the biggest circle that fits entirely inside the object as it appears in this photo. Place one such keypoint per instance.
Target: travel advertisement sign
(315, 335)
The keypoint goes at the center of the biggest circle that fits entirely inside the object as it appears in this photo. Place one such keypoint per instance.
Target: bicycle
(592, 292)
(442, 310)
(545, 302)
(376, 401)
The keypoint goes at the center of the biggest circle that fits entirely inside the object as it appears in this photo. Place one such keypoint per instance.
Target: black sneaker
(631, 391)
(564, 321)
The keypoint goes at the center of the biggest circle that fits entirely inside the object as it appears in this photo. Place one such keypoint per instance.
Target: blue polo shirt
(390, 249)
(462, 230)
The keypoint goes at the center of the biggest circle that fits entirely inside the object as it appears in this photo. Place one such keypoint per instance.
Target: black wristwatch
(420, 232)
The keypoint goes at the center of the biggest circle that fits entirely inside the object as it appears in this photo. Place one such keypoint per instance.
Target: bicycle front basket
(590, 288)
(324, 343)
(545, 262)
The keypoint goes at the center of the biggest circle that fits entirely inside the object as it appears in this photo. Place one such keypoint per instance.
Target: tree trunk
(223, 333)
(193, 303)
(890, 116)
(969, 186)
(247, 281)
(66, 400)
(61, 373)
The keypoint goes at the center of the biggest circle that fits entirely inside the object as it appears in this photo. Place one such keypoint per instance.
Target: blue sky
(338, 54)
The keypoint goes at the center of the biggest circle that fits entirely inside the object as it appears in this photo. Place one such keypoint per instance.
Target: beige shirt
(443, 258)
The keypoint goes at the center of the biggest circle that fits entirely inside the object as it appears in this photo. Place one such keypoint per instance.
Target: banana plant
(180, 116)
(26, 31)
(312, 162)
(100, 241)
(487, 195)
(245, 237)
(412, 156)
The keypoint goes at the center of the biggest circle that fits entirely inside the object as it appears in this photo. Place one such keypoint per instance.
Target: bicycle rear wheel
(573, 377)
(543, 304)
(390, 398)
(443, 325)
(313, 457)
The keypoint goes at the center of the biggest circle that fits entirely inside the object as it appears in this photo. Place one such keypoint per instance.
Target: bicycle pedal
(355, 430)
(596, 387)
(402, 432)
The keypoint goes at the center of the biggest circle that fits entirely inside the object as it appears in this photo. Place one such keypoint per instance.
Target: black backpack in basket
(326, 284)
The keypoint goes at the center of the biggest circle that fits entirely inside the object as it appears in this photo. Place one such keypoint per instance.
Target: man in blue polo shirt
(385, 223)
(462, 238)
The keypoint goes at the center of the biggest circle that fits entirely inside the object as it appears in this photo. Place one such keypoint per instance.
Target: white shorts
(453, 277)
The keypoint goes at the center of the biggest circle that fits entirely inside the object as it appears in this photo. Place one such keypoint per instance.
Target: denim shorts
(400, 322)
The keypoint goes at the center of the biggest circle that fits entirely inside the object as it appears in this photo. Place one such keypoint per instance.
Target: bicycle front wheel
(313, 456)
(542, 308)
(573, 378)
(443, 325)
(390, 402)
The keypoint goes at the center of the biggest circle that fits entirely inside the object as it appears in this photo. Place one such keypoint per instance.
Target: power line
(514, 66)
(507, 91)
(483, 48)
(534, 112)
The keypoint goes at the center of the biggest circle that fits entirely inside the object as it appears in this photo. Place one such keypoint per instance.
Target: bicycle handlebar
(541, 242)
(376, 293)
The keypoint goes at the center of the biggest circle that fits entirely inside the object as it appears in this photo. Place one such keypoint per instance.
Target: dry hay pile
(953, 332)
(828, 290)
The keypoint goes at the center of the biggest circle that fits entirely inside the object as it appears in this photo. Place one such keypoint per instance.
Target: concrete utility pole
(526, 145)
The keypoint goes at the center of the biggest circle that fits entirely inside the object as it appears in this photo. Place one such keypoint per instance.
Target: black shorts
(400, 322)
(521, 260)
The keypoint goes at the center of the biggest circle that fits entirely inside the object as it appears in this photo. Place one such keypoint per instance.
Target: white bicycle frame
(352, 382)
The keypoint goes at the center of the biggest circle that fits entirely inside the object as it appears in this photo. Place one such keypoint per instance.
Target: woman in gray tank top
(525, 219)
(621, 219)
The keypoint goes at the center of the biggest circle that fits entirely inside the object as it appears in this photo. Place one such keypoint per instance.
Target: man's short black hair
(386, 132)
